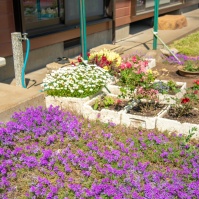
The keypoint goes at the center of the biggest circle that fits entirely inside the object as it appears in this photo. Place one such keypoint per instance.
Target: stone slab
(172, 22)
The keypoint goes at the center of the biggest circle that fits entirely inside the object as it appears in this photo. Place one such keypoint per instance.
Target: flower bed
(168, 98)
(137, 121)
(173, 125)
(69, 88)
(73, 104)
(105, 115)
(78, 159)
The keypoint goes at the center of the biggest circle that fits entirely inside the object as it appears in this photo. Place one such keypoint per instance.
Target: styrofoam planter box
(136, 121)
(68, 103)
(105, 115)
(164, 124)
(151, 63)
(170, 99)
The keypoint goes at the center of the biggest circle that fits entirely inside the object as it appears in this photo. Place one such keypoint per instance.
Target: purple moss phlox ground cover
(48, 153)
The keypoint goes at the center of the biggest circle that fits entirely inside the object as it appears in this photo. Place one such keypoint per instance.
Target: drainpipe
(83, 29)
(155, 28)
(113, 23)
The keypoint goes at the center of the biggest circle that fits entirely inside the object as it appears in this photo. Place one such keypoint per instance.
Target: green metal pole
(39, 9)
(83, 29)
(155, 28)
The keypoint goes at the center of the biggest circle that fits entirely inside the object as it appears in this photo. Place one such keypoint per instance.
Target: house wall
(6, 26)
(45, 49)
(125, 13)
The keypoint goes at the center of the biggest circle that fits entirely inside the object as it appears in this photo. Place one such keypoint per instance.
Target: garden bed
(182, 125)
(80, 159)
(171, 96)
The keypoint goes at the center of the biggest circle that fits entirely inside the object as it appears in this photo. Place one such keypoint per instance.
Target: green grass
(188, 45)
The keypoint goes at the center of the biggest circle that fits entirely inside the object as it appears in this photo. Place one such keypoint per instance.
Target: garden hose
(25, 63)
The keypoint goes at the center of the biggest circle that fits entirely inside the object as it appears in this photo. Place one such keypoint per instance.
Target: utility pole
(155, 27)
(83, 29)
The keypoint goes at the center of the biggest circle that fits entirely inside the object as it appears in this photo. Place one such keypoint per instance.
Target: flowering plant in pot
(185, 109)
(106, 59)
(187, 65)
(79, 82)
(169, 87)
(109, 102)
(144, 102)
(134, 74)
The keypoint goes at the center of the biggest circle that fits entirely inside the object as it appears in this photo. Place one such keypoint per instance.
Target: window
(41, 13)
(39, 17)
(146, 5)
(94, 10)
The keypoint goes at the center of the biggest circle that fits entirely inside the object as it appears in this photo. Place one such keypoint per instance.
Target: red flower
(185, 100)
(79, 59)
(196, 82)
(119, 101)
(73, 64)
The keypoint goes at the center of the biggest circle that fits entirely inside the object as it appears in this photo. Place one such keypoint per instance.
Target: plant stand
(72, 104)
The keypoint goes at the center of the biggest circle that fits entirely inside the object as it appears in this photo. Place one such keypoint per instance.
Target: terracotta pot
(187, 73)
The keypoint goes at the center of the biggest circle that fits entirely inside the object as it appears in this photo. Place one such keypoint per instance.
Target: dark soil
(192, 117)
(143, 109)
(146, 109)
(170, 72)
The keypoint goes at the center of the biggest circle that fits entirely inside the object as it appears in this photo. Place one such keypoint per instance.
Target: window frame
(49, 28)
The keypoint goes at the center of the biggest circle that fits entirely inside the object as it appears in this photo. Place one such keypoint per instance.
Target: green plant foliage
(188, 45)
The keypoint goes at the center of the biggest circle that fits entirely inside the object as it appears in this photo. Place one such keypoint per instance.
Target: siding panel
(7, 27)
(122, 12)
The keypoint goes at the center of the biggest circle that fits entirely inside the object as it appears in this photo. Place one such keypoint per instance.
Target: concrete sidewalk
(14, 98)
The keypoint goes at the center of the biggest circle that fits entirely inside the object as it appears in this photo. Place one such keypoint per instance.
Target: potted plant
(183, 115)
(70, 88)
(188, 66)
(134, 74)
(104, 107)
(143, 109)
(169, 90)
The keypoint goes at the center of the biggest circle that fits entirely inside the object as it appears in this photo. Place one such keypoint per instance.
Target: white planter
(68, 103)
(170, 99)
(137, 121)
(105, 115)
(115, 90)
(164, 124)
(151, 63)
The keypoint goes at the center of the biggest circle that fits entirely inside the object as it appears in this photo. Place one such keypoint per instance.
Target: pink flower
(134, 59)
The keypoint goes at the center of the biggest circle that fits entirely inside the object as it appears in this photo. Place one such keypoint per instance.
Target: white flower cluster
(80, 81)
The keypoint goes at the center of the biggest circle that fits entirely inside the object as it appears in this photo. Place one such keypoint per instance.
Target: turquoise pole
(39, 9)
(25, 63)
(83, 29)
(155, 28)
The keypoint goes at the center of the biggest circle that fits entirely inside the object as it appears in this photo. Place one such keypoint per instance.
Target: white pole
(17, 50)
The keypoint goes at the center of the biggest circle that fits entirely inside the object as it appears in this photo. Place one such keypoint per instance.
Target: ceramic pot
(186, 73)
